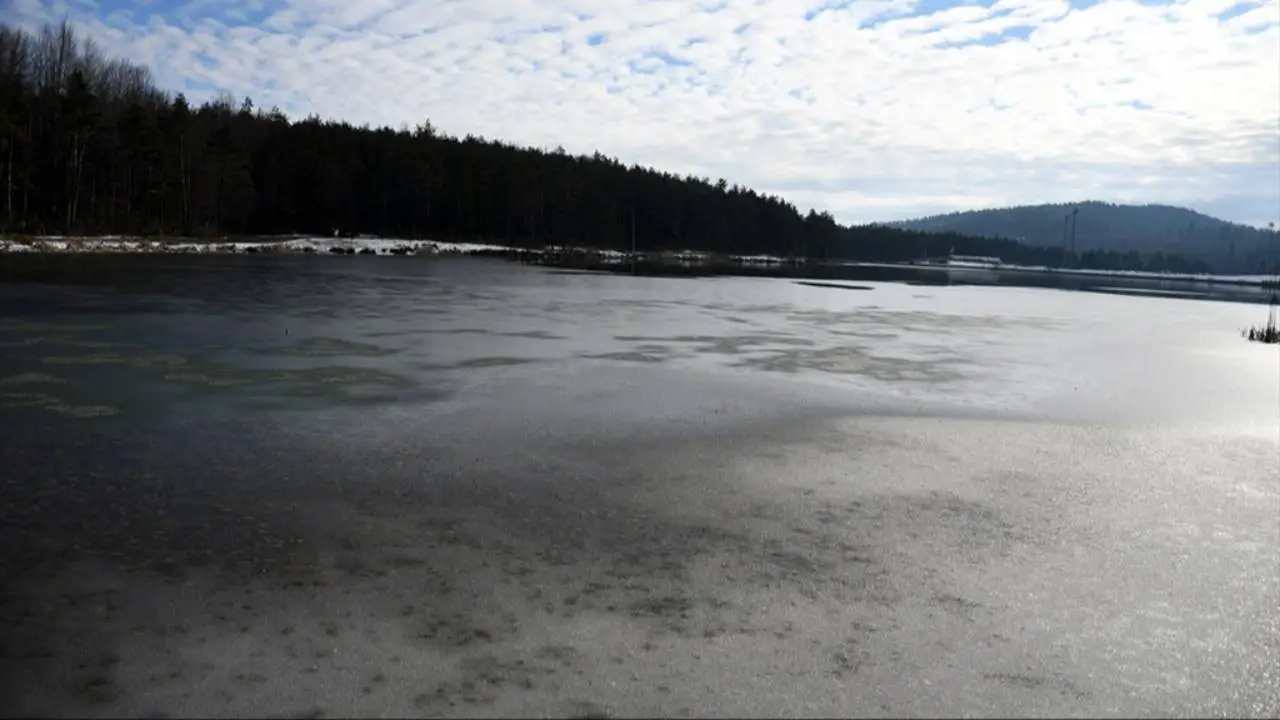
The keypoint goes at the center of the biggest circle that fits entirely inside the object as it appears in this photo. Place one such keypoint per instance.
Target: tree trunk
(8, 190)
(184, 187)
(26, 186)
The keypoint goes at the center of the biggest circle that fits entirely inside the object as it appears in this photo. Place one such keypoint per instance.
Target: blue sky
(871, 109)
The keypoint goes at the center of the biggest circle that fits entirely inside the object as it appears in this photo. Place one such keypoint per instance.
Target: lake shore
(287, 244)
(687, 262)
(303, 244)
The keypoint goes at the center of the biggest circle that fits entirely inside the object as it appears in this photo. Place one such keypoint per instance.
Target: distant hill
(1225, 246)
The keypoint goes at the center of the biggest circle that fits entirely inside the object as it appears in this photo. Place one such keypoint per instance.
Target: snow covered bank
(352, 246)
(335, 246)
(58, 244)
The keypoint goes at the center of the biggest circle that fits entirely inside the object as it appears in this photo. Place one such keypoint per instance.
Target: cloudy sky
(871, 109)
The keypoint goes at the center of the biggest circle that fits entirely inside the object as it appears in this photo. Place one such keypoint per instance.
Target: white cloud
(866, 109)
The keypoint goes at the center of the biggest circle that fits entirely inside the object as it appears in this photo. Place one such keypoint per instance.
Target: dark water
(419, 486)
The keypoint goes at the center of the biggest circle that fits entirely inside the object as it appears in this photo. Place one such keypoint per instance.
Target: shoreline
(286, 244)
(1211, 278)
(367, 245)
(554, 255)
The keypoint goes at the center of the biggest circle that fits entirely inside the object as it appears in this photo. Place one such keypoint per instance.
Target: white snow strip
(116, 243)
(392, 246)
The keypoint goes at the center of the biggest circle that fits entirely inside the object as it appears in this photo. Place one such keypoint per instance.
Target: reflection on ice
(511, 491)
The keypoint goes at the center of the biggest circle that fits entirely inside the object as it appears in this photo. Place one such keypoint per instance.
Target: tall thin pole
(1074, 212)
(1271, 250)
(1066, 220)
(633, 238)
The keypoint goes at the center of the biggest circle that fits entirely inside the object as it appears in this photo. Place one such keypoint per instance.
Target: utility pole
(1271, 247)
(1066, 220)
(1074, 212)
(1275, 281)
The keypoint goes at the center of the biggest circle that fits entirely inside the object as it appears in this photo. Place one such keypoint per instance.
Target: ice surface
(487, 489)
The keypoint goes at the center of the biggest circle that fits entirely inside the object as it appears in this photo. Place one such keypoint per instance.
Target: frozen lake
(413, 486)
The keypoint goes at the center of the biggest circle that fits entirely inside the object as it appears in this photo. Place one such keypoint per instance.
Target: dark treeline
(89, 145)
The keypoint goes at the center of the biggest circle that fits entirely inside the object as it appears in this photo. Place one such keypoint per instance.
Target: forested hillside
(1122, 228)
(89, 145)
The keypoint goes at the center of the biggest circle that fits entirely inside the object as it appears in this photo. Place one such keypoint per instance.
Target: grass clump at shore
(1268, 334)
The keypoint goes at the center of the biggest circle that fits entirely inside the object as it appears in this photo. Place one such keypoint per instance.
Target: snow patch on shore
(119, 244)
(345, 246)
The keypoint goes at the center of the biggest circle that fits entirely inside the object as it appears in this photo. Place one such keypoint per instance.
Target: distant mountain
(1225, 246)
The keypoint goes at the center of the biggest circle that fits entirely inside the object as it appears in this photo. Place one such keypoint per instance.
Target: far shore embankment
(364, 245)
(605, 259)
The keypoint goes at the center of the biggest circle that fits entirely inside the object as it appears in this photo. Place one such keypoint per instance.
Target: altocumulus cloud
(872, 109)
